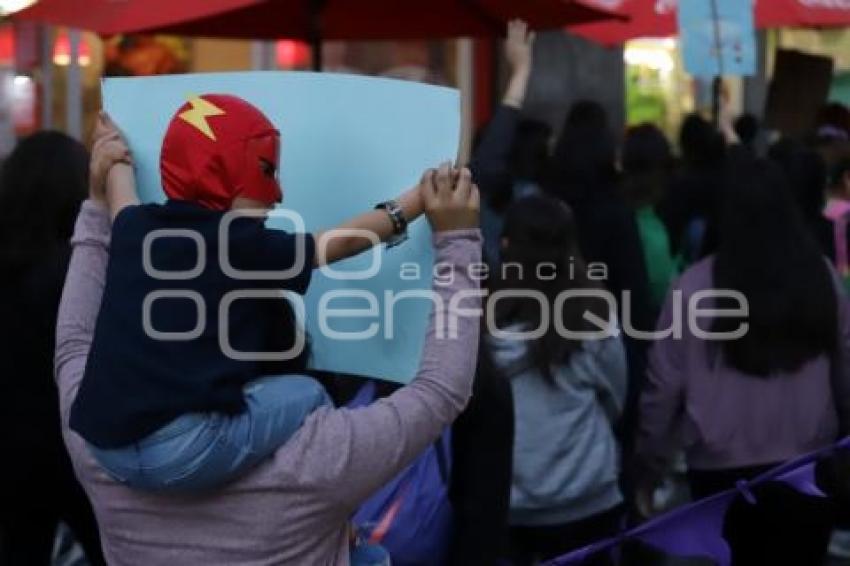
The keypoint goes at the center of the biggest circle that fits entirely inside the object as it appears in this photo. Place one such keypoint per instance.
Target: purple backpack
(411, 516)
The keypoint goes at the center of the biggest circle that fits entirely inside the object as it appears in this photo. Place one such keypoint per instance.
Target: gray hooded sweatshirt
(566, 459)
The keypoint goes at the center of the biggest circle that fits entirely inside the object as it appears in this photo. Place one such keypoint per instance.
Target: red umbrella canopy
(802, 13)
(657, 18)
(647, 18)
(109, 17)
(336, 19)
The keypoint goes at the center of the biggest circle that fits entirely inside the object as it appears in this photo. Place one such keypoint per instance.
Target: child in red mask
(189, 383)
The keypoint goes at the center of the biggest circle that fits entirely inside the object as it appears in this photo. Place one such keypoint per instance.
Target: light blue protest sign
(348, 142)
(717, 37)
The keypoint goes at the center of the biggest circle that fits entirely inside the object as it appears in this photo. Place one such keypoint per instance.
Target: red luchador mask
(219, 147)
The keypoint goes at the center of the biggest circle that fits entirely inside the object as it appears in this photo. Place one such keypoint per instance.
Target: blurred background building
(49, 76)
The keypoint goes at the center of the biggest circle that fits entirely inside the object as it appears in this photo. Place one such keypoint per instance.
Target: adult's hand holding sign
(347, 143)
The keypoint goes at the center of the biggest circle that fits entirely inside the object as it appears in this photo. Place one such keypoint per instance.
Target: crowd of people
(557, 440)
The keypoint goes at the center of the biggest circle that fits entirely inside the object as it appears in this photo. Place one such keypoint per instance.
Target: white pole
(74, 99)
(46, 77)
(466, 85)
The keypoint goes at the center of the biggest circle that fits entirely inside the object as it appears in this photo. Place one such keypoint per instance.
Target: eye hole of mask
(268, 168)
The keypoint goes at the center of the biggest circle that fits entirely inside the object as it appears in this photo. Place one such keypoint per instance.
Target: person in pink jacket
(294, 508)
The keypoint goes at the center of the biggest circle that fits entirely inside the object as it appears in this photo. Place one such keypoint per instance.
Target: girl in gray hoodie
(568, 376)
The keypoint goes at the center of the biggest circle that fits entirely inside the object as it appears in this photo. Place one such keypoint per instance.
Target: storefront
(50, 77)
(659, 91)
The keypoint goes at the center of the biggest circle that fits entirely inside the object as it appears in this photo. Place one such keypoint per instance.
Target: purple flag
(696, 529)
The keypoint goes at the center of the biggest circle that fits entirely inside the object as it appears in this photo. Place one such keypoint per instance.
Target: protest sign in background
(718, 37)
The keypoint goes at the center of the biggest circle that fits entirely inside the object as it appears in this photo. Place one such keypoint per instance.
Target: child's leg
(218, 448)
(165, 455)
(275, 409)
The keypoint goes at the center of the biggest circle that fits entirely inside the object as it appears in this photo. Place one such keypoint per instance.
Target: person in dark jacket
(42, 185)
(482, 454)
(691, 207)
(583, 173)
(506, 164)
(509, 158)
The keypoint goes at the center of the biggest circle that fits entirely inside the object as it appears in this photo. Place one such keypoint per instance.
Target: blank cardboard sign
(348, 142)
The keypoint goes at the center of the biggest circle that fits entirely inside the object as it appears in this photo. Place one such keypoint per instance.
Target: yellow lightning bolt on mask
(198, 114)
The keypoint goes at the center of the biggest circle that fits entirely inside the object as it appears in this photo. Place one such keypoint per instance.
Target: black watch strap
(396, 214)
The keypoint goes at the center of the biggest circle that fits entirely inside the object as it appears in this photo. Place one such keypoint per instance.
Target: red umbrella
(802, 13)
(313, 19)
(647, 18)
(657, 18)
(109, 17)
(388, 19)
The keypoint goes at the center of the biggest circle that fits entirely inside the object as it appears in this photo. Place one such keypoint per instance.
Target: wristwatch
(396, 214)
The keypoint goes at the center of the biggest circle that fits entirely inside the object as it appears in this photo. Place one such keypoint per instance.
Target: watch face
(396, 216)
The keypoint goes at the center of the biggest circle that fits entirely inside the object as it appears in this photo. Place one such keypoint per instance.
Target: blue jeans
(200, 451)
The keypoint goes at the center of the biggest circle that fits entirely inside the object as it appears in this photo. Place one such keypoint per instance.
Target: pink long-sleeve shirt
(294, 508)
(726, 419)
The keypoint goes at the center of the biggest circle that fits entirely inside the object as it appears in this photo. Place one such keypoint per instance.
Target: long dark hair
(542, 230)
(584, 160)
(42, 184)
(647, 162)
(701, 145)
(767, 253)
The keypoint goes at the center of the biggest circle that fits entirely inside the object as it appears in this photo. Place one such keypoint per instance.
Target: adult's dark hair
(766, 253)
(541, 230)
(587, 113)
(806, 172)
(584, 158)
(42, 184)
(747, 128)
(647, 162)
(700, 143)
